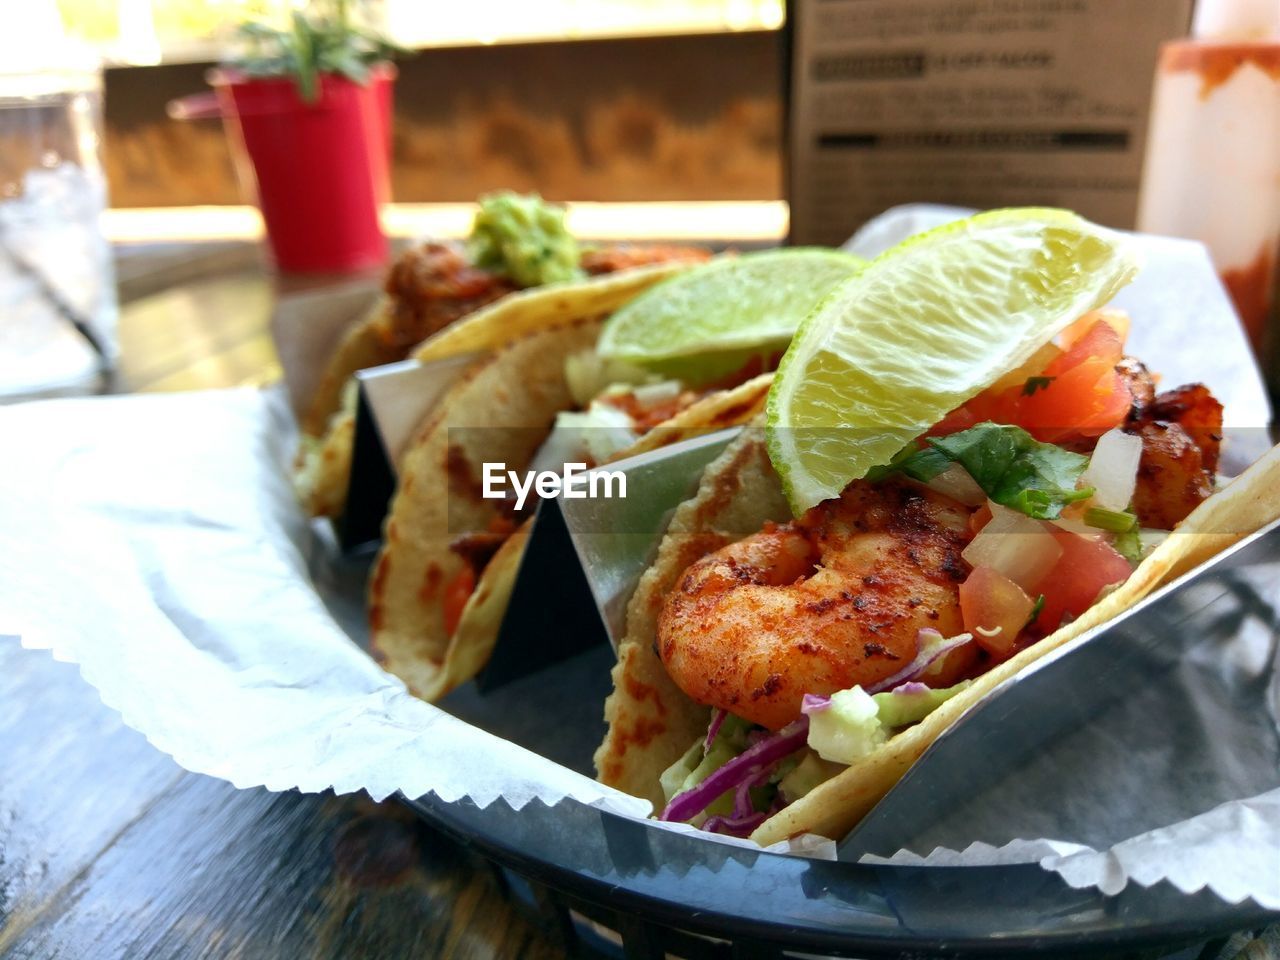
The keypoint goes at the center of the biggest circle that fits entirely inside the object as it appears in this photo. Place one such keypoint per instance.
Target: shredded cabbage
(850, 724)
(847, 727)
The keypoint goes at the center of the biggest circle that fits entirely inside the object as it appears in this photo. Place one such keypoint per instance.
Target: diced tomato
(456, 594)
(995, 609)
(1079, 394)
(1100, 342)
(1085, 568)
(1117, 320)
(1084, 396)
(962, 418)
(1085, 401)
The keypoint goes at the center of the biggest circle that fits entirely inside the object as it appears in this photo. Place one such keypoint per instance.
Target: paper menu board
(981, 103)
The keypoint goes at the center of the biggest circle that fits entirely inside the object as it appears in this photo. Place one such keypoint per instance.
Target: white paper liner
(152, 540)
(1233, 850)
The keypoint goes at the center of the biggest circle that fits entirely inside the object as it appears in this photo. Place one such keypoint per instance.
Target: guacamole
(524, 238)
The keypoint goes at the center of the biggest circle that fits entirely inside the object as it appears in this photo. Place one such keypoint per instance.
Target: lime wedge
(926, 326)
(730, 307)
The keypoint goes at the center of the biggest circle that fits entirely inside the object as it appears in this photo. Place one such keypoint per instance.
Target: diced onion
(595, 434)
(587, 375)
(1113, 469)
(655, 393)
(1014, 545)
(955, 482)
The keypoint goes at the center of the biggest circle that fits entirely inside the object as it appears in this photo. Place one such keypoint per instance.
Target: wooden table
(109, 849)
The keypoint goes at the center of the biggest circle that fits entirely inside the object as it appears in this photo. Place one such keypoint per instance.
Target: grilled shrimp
(817, 605)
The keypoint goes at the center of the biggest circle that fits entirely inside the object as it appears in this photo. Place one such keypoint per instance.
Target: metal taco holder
(391, 400)
(1043, 723)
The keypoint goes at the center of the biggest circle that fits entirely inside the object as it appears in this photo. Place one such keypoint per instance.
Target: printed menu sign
(978, 103)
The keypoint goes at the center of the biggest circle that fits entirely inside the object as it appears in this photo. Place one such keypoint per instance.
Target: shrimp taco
(548, 390)
(516, 243)
(959, 471)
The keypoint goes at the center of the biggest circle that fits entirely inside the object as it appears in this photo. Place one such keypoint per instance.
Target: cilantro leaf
(1129, 545)
(1017, 470)
(876, 474)
(1011, 466)
(1035, 612)
(919, 464)
(925, 465)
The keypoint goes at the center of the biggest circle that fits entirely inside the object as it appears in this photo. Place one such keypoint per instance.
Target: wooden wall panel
(656, 118)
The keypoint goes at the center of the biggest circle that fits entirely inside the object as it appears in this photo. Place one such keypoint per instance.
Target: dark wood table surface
(108, 849)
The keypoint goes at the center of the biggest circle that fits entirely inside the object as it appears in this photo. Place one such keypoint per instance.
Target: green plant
(322, 39)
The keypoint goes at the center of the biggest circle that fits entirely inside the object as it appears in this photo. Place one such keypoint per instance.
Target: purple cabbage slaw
(717, 718)
(736, 826)
(930, 647)
(911, 688)
(744, 818)
(753, 767)
(753, 762)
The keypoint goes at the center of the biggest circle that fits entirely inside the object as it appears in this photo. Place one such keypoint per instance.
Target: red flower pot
(320, 170)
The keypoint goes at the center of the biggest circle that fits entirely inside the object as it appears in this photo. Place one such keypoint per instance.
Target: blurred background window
(154, 31)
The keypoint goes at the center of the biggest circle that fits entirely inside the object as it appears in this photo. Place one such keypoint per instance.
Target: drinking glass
(57, 286)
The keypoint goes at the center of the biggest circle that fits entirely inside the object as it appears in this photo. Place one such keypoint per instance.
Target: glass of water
(57, 286)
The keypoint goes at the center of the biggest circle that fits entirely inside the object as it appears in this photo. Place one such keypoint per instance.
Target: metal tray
(665, 892)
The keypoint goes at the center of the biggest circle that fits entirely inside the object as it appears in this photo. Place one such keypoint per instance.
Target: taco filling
(605, 422)
(517, 243)
(816, 640)
(579, 374)
(437, 282)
